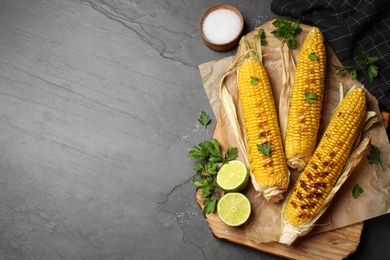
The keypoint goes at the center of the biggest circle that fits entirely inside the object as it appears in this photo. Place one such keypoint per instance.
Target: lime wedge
(233, 176)
(234, 209)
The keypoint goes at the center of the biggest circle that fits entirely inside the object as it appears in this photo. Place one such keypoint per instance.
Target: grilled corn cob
(269, 172)
(318, 178)
(306, 101)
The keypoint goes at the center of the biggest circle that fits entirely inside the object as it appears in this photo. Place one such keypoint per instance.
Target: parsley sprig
(352, 70)
(375, 156)
(356, 191)
(286, 29)
(313, 56)
(365, 62)
(310, 96)
(261, 33)
(254, 80)
(265, 149)
(208, 155)
(204, 119)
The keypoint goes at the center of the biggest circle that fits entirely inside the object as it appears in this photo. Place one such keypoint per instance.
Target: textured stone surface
(99, 101)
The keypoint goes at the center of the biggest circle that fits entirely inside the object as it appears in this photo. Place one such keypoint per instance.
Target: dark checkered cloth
(347, 26)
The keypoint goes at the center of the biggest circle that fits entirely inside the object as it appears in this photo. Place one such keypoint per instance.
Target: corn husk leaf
(371, 118)
(341, 91)
(288, 71)
(230, 107)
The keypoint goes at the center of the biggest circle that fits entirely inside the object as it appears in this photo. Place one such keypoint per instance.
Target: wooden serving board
(337, 243)
(334, 244)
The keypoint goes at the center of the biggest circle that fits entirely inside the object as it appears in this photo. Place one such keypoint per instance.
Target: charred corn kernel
(306, 101)
(325, 166)
(262, 128)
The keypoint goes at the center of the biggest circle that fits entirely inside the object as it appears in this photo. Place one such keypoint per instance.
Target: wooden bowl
(226, 46)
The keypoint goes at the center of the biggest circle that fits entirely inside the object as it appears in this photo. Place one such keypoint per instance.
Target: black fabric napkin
(348, 26)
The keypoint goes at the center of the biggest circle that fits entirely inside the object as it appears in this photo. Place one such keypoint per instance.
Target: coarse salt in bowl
(221, 27)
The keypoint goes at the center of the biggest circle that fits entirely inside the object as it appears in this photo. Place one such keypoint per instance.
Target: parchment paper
(264, 223)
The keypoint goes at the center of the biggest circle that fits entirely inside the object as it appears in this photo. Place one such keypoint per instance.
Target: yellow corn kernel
(325, 166)
(262, 128)
(306, 101)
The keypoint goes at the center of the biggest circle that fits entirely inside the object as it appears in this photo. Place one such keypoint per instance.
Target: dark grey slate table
(99, 101)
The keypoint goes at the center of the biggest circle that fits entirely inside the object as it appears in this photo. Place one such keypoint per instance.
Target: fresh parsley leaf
(364, 59)
(371, 72)
(375, 156)
(360, 56)
(310, 96)
(211, 168)
(199, 167)
(207, 191)
(209, 155)
(231, 154)
(254, 80)
(313, 56)
(197, 183)
(204, 119)
(197, 153)
(353, 73)
(205, 151)
(206, 184)
(356, 191)
(365, 62)
(372, 59)
(261, 33)
(216, 147)
(209, 206)
(286, 29)
(213, 152)
(265, 149)
(340, 69)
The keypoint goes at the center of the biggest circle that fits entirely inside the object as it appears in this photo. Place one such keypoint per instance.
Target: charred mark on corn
(269, 164)
(299, 195)
(314, 195)
(308, 206)
(319, 185)
(304, 186)
(304, 216)
(264, 133)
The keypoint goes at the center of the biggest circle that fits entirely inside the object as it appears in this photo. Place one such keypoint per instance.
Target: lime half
(234, 209)
(233, 176)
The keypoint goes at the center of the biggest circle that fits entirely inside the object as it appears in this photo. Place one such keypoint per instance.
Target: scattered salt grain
(221, 26)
